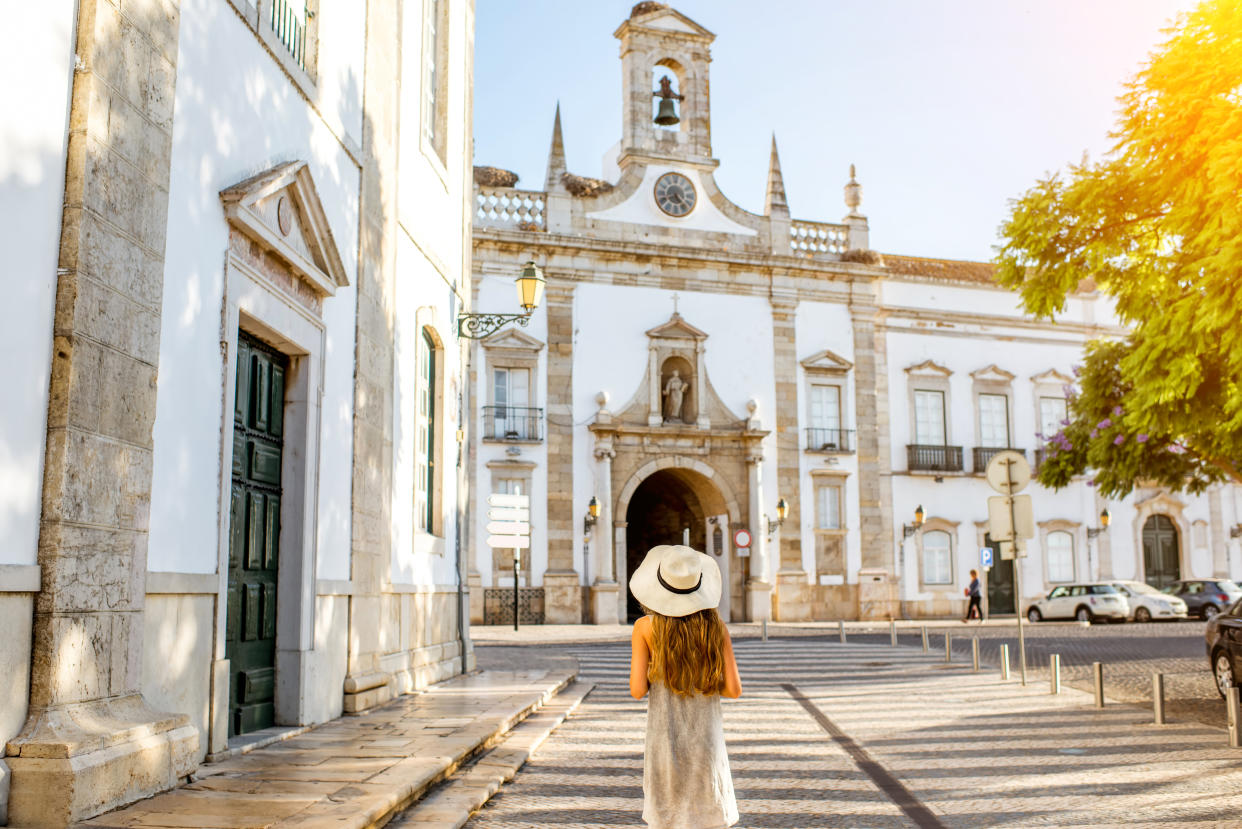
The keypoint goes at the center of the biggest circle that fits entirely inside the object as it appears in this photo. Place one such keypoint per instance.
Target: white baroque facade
(695, 364)
(232, 495)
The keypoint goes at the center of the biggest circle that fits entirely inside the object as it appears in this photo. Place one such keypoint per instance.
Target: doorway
(1000, 581)
(254, 535)
(1161, 556)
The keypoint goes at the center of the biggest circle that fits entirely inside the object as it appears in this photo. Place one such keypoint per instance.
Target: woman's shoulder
(643, 624)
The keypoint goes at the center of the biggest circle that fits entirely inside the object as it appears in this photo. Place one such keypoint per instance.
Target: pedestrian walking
(976, 598)
(681, 653)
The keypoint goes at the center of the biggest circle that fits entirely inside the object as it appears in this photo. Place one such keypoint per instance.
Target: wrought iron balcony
(1040, 456)
(512, 423)
(289, 29)
(921, 457)
(983, 454)
(829, 440)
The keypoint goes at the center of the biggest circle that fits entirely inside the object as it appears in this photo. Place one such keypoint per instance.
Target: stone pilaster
(758, 588)
(562, 593)
(605, 589)
(91, 743)
(871, 419)
(785, 348)
(365, 683)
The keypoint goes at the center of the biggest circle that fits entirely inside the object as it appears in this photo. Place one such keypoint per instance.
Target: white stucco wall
(37, 48)
(228, 126)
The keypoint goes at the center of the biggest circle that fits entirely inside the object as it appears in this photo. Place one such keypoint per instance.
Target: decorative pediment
(668, 20)
(827, 362)
(512, 339)
(676, 329)
(992, 374)
(280, 210)
(1161, 502)
(928, 368)
(1052, 377)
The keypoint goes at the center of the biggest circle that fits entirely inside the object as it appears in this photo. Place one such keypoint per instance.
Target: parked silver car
(1084, 602)
(1147, 603)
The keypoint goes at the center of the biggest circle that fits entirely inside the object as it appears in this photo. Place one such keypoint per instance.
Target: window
(993, 420)
(425, 431)
(825, 407)
(929, 418)
(937, 557)
(434, 97)
(1051, 412)
(828, 507)
(1059, 593)
(1059, 553)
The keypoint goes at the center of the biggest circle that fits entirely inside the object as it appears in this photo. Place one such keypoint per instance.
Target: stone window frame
(517, 470)
(431, 539)
(1050, 383)
(1078, 536)
(433, 113)
(840, 480)
(992, 380)
(256, 14)
(511, 349)
(826, 368)
(930, 376)
(936, 524)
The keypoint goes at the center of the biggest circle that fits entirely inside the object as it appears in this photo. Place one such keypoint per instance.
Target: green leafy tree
(1157, 226)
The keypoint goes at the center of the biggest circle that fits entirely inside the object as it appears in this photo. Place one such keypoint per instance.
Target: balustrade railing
(512, 423)
(509, 208)
(290, 28)
(829, 440)
(921, 457)
(814, 238)
(983, 454)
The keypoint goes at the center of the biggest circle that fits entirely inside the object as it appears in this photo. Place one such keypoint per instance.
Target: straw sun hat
(676, 581)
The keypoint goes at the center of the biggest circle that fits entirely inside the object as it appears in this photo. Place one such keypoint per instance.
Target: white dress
(686, 778)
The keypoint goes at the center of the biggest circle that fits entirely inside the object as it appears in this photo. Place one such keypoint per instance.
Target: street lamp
(908, 530)
(530, 285)
(1092, 532)
(592, 515)
(782, 509)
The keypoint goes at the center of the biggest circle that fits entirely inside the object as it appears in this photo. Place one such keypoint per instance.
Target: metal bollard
(948, 647)
(765, 630)
(974, 653)
(1157, 698)
(1233, 702)
(892, 633)
(841, 630)
(925, 647)
(1004, 660)
(1054, 674)
(1097, 680)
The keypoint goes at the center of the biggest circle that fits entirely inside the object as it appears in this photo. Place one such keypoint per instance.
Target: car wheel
(1033, 615)
(1083, 614)
(1208, 611)
(1142, 615)
(1222, 670)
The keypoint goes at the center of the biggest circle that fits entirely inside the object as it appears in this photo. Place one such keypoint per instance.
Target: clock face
(675, 195)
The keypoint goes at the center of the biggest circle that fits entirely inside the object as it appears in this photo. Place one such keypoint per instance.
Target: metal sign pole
(516, 553)
(1017, 573)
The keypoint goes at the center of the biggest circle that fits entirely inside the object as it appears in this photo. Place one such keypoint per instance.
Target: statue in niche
(674, 397)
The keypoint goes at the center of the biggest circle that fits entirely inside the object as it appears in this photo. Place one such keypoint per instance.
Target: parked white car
(1084, 602)
(1147, 603)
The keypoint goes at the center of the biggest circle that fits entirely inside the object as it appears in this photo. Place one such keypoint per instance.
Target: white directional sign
(508, 527)
(508, 521)
(1006, 522)
(1007, 549)
(508, 514)
(500, 499)
(509, 542)
(1008, 472)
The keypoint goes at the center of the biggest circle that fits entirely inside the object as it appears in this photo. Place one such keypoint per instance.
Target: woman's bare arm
(640, 657)
(733, 682)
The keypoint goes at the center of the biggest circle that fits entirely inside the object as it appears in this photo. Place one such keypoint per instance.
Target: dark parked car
(1205, 597)
(1223, 634)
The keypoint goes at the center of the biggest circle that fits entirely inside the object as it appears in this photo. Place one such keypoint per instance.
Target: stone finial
(752, 406)
(601, 399)
(556, 155)
(774, 199)
(853, 193)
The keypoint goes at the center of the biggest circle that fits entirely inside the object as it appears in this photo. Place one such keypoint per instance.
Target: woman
(681, 652)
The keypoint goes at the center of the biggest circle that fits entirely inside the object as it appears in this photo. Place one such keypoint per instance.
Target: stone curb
(467, 791)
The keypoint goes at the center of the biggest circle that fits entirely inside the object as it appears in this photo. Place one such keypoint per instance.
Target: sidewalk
(356, 771)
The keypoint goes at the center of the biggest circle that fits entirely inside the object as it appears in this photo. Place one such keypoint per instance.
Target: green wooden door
(254, 536)
(1161, 561)
(1000, 581)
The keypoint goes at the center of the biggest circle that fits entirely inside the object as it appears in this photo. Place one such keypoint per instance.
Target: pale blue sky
(948, 108)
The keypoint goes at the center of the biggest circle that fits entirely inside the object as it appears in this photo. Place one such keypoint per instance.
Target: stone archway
(664, 500)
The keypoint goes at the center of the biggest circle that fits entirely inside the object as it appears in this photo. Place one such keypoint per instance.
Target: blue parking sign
(985, 556)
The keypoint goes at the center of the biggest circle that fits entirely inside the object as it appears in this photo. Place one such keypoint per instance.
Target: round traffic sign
(741, 538)
(1008, 472)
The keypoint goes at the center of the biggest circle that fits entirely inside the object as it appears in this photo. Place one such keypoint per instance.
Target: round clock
(674, 193)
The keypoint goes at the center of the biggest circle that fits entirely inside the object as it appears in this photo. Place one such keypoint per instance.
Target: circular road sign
(741, 538)
(1008, 472)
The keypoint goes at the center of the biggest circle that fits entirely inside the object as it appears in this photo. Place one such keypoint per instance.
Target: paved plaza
(868, 735)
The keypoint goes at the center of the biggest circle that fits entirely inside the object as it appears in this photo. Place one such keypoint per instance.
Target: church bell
(666, 115)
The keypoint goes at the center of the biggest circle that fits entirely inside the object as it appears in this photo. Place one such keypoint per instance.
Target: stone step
(452, 803)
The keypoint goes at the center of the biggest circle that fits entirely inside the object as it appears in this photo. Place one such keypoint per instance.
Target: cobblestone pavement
(967, 748)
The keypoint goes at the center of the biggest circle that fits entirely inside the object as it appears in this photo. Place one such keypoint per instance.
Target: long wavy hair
(688, 653)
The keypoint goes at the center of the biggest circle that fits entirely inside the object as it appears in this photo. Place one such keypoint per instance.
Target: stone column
(604, 591)
(562, 590)
(758, 588)
(793, 599)
(366, 683)
(91, 743)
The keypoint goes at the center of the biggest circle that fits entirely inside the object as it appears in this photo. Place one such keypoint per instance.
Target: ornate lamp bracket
(478, 326)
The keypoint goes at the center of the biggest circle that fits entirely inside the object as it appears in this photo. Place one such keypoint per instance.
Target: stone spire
(556, 155)
(774, 199)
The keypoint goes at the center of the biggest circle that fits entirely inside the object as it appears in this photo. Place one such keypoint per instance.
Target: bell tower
(664, 121)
